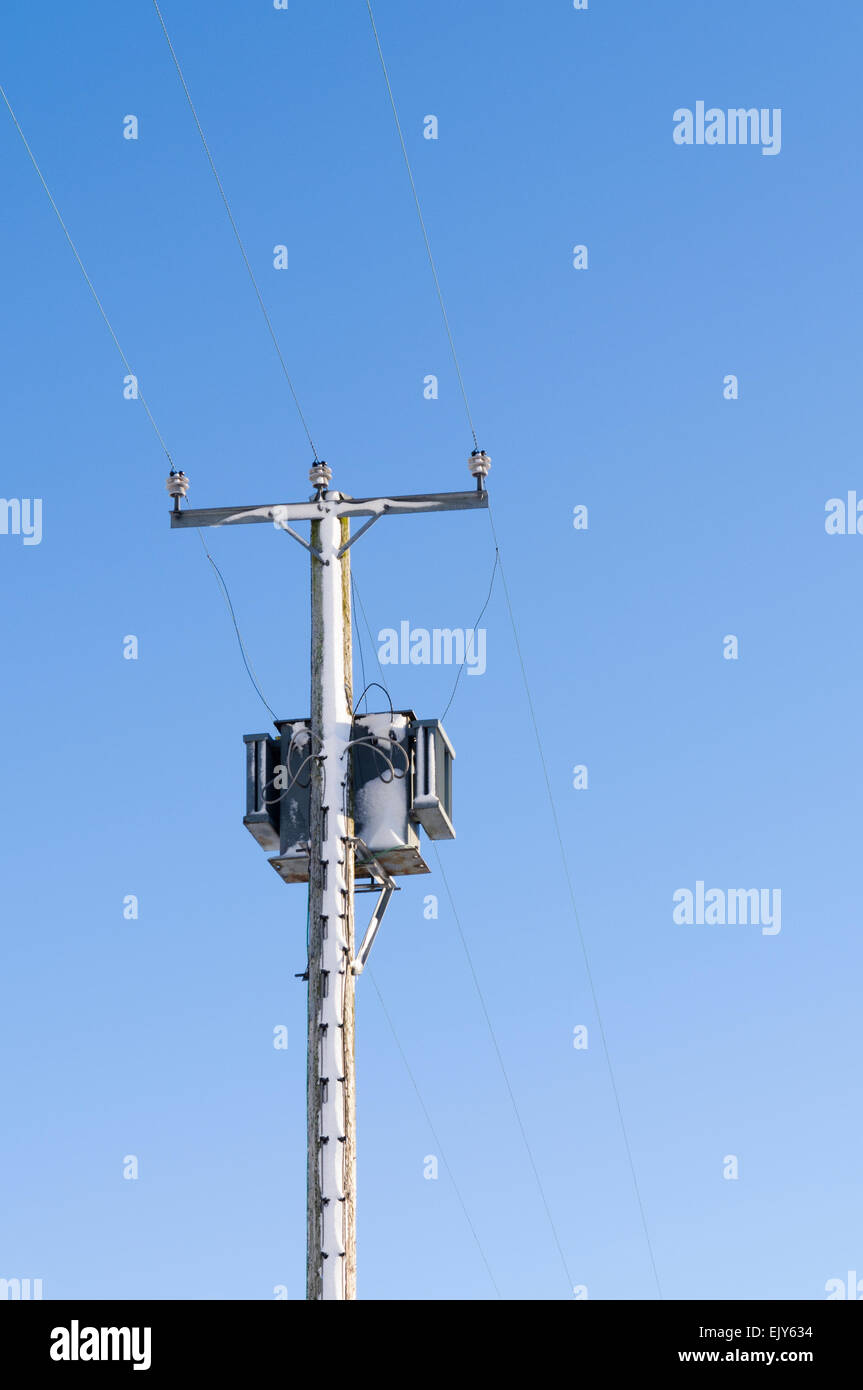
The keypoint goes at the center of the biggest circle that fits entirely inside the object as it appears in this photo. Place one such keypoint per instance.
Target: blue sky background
(154, 1037)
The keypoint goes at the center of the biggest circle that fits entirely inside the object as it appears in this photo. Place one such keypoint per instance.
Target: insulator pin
(320, 474)
(479, 463)
(177, 483)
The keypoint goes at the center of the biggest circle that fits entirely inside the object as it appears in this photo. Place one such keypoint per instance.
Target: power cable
(574, 905)
(475, 626)
(236, 232)
(434, 1134)
(423, 226)
(372, 641)
(250, 670)
(90, 284)
(359, 644)
(503, 1069)
(219, 576)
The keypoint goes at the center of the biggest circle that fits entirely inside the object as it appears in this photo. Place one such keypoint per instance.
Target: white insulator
(479, 463)
(177, 483)
(320, 474)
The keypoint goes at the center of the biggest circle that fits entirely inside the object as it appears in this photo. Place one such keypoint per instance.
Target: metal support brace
(283, 526)
(387, 887)
(362, 531)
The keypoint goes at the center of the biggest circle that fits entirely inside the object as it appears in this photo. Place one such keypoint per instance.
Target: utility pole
(331, 1100)
(334, 962)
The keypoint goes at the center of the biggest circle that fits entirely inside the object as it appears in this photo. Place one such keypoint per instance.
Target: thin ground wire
(372, 640)
(236, 232)
(90, 285)
(359, 636)
(141, 397)
(247, 662)
(569, 883)
(422, 225)
(434, 1133)
(502, 1064)
(475, 626)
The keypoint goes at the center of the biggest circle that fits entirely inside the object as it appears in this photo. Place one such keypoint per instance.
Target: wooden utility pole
(331, 1100)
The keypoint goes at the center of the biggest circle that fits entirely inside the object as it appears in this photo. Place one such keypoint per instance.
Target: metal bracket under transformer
(387, 888)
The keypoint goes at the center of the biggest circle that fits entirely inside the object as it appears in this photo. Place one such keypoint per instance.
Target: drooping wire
(299, 738)
(283, 791)
(422, 225)
(434, 1134)
(396, 774)
(575, 913)
(250, 670)
(475, 626)
(236, 232)
(90, 285)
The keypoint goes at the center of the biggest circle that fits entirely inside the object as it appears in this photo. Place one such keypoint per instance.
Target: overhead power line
(504, 1072)
(100, 306)
(218, 573)
(423, 226)
(575, 913)
(236, 232)
(434, 1135)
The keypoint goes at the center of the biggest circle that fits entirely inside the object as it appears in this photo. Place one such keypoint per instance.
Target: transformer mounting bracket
(388, 886)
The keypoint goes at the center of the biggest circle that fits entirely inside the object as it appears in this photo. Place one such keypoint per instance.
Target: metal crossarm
(332, 504)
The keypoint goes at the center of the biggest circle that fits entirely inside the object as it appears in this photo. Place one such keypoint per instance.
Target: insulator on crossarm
(178, 485)
(479, 463)
(320, 475)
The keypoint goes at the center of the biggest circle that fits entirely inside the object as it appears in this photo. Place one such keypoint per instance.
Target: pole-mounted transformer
(401, 779)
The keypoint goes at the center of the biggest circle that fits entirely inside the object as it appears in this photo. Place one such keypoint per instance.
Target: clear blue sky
(706, 518)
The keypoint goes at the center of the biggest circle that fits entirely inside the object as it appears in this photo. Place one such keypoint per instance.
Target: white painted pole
(331, 1187)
